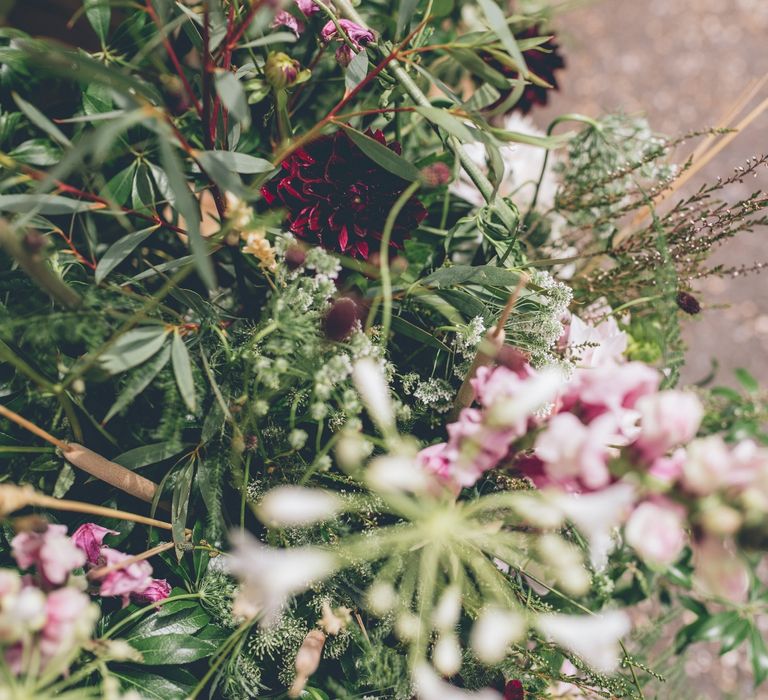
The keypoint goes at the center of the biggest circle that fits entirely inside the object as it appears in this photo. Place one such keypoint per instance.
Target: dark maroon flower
(543, 61)
(688, 303)
(514, 690)
(339, 198)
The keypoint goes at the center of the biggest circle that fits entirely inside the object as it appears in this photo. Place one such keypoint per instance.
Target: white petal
(429, 686)
(494, 631)
(287, 506)
(371, 384)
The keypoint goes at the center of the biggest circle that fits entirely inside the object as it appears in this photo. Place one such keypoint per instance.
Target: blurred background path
(683, 63)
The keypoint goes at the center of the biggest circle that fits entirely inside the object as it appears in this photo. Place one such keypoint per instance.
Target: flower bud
(281, 70)
(688, 303)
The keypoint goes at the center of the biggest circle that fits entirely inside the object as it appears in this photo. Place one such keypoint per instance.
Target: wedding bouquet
(327, 374)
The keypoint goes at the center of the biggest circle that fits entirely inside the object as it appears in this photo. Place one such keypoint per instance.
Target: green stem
(222, 653)
(386, 278)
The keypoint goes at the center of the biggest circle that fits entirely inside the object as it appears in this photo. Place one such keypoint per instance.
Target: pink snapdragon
(52, 553)
(125, 581)
(358, 36)
(90, 538)
(158, 589)
(655, 530)
(667, 419)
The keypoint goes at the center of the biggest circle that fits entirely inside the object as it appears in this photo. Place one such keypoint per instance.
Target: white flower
(595, 638)
(446, 613)
(494, 631)
(289, 506)
(429, 686)
(371, 384)
(446, 654)
(392, 473)
(271, 576)
(596, 515)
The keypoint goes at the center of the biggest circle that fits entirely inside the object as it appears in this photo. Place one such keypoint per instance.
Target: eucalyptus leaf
(182, 370)
(232, 95)
(356, 70)
(239, 162)
(120, 250)
(47, 204)
(140, 380)
(41, 121)
(383, 156)
(148, 454)
(133, 348)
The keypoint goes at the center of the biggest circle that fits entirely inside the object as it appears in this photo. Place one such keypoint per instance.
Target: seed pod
(688, 303)
(295, 257)
(340, 319)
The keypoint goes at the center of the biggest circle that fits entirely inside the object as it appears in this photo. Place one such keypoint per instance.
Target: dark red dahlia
(543, 61)
(514, 690)
(339, 198)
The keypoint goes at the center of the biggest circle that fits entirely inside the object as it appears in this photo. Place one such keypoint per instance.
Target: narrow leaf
(41, 121)
(232, 95)
(99, 13)
(356, 70)
(50, 204)
(240, 162)
(139, 381)
(383, 156)
(119, 251)
(445, 120)
(182, 369)
(133, 348)
(498, 25)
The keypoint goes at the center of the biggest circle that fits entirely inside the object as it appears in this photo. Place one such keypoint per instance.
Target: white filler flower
(292, 506)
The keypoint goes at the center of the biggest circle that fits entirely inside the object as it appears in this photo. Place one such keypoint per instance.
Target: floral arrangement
(327, 374)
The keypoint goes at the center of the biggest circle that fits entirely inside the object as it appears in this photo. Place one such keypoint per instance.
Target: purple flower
(158, 589)
(358, 35)
(307, 7)
(286, 19)
(337, 197)
(89, 537)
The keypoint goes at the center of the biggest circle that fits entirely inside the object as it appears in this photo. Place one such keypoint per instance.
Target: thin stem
(386, 279)
(32, 428)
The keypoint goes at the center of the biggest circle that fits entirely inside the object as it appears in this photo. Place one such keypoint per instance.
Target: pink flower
(70, 617)
(358, 35)
(51, 552)
(436, 459)
(571, 450)
(596, 345)
(655, 531)
(89, 537)
(667, 470)
(612, 387)
(158, 589)
(667, 419)
(307, 7)
(707, 464)
(134, 578)
(490, 384)
(286, 19)
(478, 447)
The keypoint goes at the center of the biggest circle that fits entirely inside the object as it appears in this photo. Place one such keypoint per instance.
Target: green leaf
(139, 381)
(99, 13)
(484, 275)
(118, 188)
(497, 23)
(223, 176)
(383, 156)
(188, 207)
(356, 70)
(133, 348)
(445, 120)
(405, 15)
(406, 328)
(240, 162)
(758, 655)
(746, 380)
(186, 621)
(180, 505)
(142, 193)
(182, 370)
(64, 481)
(733, 635)
(46, 204)
(40, 152)
(274, 38)
(41, 121)
(233, 97)
(173, 684)
(148, 454)
(119, 251)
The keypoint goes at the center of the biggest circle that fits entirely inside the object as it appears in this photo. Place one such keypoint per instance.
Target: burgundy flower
(339, 198)
(543, 61)
(514, 690)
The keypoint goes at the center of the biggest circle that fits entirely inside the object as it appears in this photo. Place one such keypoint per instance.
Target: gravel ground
(683, 63)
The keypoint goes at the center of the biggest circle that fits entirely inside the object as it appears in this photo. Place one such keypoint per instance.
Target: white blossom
(371, 384)
(289, 506)
(429, 686)
(494, 631)
(594, 638)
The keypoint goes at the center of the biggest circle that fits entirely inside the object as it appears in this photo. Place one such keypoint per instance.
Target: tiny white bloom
(446, 613)
(446, 654)
(494, 631)
(392, 473)
(595, 638)
(289, 506)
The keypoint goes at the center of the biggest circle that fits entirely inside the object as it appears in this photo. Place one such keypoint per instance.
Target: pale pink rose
(667, 419)
(52, 553)
(70, 617)
(134, 578)
(158, 589)
(491, 384)
(719, 571)
(90, 537)
(668, 470)
(655, 530)
(571, 450)
(749, 464)
(707, 464)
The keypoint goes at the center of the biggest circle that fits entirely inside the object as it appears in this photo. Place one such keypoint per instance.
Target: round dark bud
(514, 690)
(512, 358)
(340, 319)
(33, 242)
(688, 303)
(295, 257)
